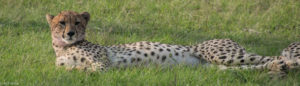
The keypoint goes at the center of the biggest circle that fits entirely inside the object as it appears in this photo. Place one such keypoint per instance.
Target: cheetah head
(68, 27)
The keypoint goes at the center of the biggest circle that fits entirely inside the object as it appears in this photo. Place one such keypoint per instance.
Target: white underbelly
(169, 60)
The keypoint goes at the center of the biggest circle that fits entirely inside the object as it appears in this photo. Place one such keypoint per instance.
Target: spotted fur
(74, 52)
(291, 56)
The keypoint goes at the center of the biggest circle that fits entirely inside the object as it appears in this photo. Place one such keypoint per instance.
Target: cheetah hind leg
(280, 68)
(274, 74)
(276, 68)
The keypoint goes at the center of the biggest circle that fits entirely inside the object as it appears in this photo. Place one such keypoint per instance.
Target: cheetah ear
(49, 18)
(86, 16)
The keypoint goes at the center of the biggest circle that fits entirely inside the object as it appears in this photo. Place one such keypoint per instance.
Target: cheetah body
(83, 54)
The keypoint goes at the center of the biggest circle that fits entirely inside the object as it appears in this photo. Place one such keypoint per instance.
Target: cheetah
(74, 52)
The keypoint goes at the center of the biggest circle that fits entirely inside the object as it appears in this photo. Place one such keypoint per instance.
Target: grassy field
(264, 27)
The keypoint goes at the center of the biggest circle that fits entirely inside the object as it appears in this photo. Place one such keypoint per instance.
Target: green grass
(264, 27)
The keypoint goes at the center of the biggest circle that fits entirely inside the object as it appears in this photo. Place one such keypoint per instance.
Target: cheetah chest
(79, 57)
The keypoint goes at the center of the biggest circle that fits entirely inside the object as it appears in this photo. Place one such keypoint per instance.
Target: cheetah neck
(58, 41)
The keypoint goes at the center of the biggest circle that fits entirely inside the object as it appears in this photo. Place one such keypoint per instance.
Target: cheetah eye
(62, 22)
(76, 23)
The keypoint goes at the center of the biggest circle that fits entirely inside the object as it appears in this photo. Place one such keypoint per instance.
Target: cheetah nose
(70, 34)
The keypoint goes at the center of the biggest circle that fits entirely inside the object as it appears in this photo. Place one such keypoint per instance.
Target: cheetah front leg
(98, 66)
(91, 66)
